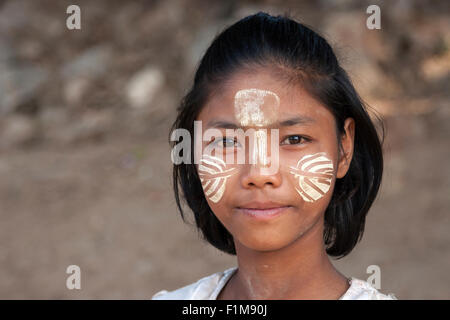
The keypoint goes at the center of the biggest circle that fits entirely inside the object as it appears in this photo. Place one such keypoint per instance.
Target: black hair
(297, 54)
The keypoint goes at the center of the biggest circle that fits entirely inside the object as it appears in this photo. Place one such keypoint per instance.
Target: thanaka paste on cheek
(213, 176)
(314, 173)
(257, 108)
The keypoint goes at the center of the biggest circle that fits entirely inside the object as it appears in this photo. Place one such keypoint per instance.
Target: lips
(263, 210)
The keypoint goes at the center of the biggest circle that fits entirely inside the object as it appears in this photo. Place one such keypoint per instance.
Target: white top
(208, 288)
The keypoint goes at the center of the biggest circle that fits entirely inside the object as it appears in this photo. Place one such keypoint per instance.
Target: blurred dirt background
(84, 160)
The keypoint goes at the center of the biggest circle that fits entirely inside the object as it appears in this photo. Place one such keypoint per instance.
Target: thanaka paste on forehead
(256, 107)
(213, 176)
(259, 108)
(314, 173)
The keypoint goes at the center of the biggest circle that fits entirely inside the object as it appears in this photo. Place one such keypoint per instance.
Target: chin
(264, 242)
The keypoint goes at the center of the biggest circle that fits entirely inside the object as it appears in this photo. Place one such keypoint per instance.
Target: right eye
(230, 142)
(227, 142)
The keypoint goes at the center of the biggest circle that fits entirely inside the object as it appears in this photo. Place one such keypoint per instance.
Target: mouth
(264, 211)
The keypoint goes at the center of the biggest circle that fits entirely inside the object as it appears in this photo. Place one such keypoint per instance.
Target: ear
(346, 150)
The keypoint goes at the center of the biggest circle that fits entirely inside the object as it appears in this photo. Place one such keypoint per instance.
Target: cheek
(214, 175)
(313, 175)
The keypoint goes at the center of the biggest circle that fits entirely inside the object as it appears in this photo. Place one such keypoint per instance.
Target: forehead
(293, 99)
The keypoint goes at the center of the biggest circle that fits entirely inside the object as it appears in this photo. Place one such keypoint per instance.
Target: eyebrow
(222, 124)
(297, 120)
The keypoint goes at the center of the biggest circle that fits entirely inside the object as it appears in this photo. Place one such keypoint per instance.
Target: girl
(282, 210)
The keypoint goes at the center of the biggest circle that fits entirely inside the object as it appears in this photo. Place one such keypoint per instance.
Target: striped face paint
(213, 176)
(258, 108)
(314, 173)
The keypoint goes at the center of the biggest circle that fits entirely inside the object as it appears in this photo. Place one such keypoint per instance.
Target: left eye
(295, 139)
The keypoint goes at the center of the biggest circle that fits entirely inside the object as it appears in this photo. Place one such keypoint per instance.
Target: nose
(254, 177)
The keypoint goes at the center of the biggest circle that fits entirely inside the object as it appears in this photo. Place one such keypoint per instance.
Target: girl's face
(269, 209)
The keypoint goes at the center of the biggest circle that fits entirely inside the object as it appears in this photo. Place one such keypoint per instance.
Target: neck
(301, 270)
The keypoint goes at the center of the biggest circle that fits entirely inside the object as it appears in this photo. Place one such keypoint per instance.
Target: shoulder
(362, 290)
(206, 288)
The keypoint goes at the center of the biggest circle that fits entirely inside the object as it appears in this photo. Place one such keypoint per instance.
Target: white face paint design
(213, 176)
(259, 108)
(314, 173)
(255, 107)
(260, 148)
